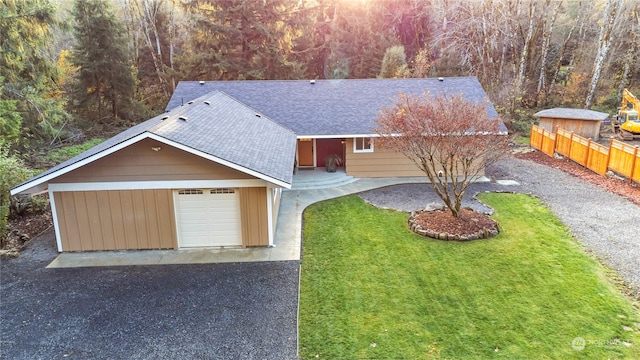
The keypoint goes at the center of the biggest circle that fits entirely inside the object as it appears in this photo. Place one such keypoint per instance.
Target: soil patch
(21, 229)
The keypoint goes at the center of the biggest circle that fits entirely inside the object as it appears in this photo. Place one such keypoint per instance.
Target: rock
(434, 206)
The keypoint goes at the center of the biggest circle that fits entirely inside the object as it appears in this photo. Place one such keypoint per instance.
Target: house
(210, 171)
(585, 123)
(336, 116)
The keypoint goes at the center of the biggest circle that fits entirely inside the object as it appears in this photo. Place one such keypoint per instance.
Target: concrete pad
(507, 182)
(161, 257)
(285, 253)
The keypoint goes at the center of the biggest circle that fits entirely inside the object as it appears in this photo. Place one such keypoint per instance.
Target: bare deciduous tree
(604, 44)
(449, 138)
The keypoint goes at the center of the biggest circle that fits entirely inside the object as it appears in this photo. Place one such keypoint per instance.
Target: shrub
(12, 172)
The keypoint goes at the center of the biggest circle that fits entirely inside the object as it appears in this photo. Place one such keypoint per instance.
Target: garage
(183, 179)
(208, 217)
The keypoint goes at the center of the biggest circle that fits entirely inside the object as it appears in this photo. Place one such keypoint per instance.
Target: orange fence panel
(535, 139)
(563, 142)
(548, 143)
(579, 150)
(542, 140)
(624, 159)
(598, 158)
(620, 157)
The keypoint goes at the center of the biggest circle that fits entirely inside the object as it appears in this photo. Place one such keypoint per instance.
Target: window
(222, 191)
(190, 192)
(364, 144)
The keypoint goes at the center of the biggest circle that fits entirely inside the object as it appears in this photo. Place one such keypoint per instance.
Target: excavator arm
(629, 101)
(626, 123)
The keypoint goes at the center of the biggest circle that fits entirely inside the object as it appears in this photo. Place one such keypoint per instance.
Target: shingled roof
(567, 113)
(216, 125)
(324, 108)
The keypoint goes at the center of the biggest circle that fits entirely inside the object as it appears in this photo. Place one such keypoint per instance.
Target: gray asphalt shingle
(328, 107)
(565, 113)
(226, 129)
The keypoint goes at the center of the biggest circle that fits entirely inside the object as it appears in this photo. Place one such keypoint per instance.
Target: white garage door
(208, 217)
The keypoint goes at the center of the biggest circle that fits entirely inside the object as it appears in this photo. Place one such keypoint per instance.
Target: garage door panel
(208, 217)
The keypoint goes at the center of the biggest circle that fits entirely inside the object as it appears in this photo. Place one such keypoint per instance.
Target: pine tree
(28, 108)
(104, 82)
(241, 39)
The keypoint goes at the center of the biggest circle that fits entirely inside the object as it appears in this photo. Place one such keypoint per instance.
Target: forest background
(74, 71)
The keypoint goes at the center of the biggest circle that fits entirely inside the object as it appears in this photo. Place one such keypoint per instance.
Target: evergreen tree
(104, 81)
(241, 39)
(394, 62)
(29, 106)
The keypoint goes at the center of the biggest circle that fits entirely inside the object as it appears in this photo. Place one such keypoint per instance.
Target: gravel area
(411, 197)
(606, 223)
(213, 311)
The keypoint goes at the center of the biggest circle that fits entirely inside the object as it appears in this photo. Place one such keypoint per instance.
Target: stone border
(418, 229)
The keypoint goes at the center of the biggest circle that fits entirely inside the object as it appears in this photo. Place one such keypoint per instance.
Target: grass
(522, 140)
(371, 289)
(65, 153)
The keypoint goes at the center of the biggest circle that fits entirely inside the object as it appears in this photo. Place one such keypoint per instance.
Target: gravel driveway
(213, 311)
(606, 223)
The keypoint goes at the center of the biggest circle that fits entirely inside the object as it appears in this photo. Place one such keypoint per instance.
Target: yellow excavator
(626, 123)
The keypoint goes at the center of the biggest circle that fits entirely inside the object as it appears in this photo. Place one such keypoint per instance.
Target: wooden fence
(619, 157)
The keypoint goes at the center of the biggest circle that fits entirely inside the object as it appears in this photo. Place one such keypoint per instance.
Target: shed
(585, 123)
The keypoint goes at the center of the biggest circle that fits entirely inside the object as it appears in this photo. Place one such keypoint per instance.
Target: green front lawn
(371, 289)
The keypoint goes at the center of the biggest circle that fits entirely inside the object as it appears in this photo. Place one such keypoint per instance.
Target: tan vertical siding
(116, 220)
(253, 212)
(138, 162)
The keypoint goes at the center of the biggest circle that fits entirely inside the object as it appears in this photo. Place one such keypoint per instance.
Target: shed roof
(329, 107)
(217, 126)
(566, 113)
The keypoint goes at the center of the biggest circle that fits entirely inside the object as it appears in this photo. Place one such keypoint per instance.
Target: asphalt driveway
(212, 311)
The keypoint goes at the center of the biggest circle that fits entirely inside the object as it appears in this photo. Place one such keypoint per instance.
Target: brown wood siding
(138, 162)
(379, 163)
(116, 220)
(584, 128)
(253, 213)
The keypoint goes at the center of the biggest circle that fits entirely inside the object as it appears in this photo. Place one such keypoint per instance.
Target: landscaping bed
(442, 225)
(623, 187)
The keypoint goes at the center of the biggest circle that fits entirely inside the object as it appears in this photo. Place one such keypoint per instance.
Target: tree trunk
(604, 44)
(171, 45)
(631, 56)
(546, 40)
(525, 51)
(558, 65)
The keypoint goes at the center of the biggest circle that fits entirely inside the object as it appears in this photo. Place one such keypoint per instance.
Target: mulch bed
(623, 187)
(441, 224)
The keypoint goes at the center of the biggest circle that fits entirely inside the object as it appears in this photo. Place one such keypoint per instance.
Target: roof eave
(36, 183)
